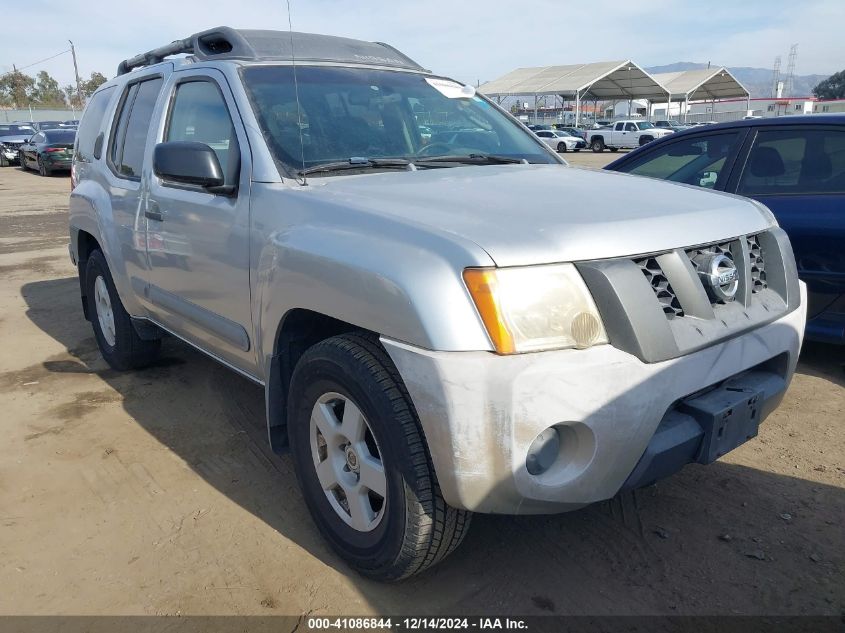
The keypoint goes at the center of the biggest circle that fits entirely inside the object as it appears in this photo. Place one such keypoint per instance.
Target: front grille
(758, 266)
(673, 309)
(752, 270)
(661, 286)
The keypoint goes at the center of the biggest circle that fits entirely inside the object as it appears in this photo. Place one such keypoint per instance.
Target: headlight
(535, 308)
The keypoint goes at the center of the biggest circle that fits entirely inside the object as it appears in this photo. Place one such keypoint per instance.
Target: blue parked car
(795, 165)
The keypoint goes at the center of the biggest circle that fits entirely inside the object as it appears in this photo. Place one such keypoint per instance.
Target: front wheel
(645, 139)
(363, 464)
(117, 339)
(22, 161)
(614, 149)
(561, 147)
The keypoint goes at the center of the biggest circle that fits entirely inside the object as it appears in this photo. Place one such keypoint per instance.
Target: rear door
(799, 173)
(129, 141)
(616, 135)
(30, 148)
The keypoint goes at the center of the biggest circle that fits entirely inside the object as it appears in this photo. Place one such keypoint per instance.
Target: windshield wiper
(357, 162)
(473, 159)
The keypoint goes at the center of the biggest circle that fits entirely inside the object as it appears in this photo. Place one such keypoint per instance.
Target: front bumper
(480, 412)
(10, 155)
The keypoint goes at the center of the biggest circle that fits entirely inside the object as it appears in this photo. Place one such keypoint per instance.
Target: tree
(831, 88)
(88, 86)
(16, 89)
(47, 91)
(73, 97)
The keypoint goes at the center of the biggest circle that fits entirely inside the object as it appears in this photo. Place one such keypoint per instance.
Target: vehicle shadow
(723, 539)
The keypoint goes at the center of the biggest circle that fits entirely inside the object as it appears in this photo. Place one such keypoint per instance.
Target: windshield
(360, 113)
(645, 125)
(15, 130)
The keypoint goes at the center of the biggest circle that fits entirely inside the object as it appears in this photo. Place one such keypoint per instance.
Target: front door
(197, 241)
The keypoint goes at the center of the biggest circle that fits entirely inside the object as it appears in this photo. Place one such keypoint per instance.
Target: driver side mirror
(190, 163)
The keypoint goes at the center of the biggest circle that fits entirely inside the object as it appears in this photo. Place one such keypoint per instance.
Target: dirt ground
(155, 493)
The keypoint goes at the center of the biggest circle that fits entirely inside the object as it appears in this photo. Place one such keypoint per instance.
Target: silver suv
(446, 318)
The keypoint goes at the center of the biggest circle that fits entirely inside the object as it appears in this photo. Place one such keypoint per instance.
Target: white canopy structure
(617, 80)
(701, 84)
(599, 80)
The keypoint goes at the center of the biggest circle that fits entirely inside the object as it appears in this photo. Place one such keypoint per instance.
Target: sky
(469, 40)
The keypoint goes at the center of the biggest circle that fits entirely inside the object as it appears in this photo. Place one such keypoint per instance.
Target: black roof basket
(253, 45)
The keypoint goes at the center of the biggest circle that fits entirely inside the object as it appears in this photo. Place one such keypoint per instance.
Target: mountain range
(758, 81)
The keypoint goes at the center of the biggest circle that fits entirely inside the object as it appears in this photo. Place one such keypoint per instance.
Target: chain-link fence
(39, 114)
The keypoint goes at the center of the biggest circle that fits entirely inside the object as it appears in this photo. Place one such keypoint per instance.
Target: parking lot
(155, 492)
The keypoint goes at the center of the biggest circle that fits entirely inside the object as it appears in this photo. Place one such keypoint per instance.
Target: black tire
(129, 350)
(418, 529)
(645, 139)
(22, 161)
(43, 170)
(561, 147)
(614, 149)
(597, 145)
(4, 162)
(577, 149)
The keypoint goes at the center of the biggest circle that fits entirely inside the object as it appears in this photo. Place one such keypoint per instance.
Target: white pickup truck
(624, 134)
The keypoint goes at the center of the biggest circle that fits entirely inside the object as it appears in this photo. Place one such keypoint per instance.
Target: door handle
(153, 213)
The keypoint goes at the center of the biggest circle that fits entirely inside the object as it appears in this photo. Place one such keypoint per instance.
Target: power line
(12, 72)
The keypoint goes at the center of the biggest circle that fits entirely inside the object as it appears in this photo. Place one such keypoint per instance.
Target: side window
(695, 161)
(542, 134)
(133, 125)
(795, 161)
(199, 114)
(619, 127)
(630, 127)
(92, 123)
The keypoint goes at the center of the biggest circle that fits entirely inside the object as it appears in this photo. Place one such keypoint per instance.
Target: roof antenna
(301, 180)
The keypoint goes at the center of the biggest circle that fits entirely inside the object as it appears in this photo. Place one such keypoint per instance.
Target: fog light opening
(543, 452)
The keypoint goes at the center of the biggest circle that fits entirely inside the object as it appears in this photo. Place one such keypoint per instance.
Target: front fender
(371, 280)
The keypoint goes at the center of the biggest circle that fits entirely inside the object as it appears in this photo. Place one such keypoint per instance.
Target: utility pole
(76, 74)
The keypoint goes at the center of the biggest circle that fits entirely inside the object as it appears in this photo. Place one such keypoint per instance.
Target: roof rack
(225, 42)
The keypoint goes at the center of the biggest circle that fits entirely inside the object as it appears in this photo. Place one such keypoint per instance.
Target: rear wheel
(597, 145)
(363, 463)
(43, 170)
(117, 339)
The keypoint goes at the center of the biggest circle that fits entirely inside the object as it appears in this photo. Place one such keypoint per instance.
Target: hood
(534, 214)
(15, 139)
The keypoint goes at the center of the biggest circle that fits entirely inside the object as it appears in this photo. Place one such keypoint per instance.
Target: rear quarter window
(92, 123)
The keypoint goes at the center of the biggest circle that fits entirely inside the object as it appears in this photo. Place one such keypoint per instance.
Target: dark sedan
(795, 165)
(48, 151)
